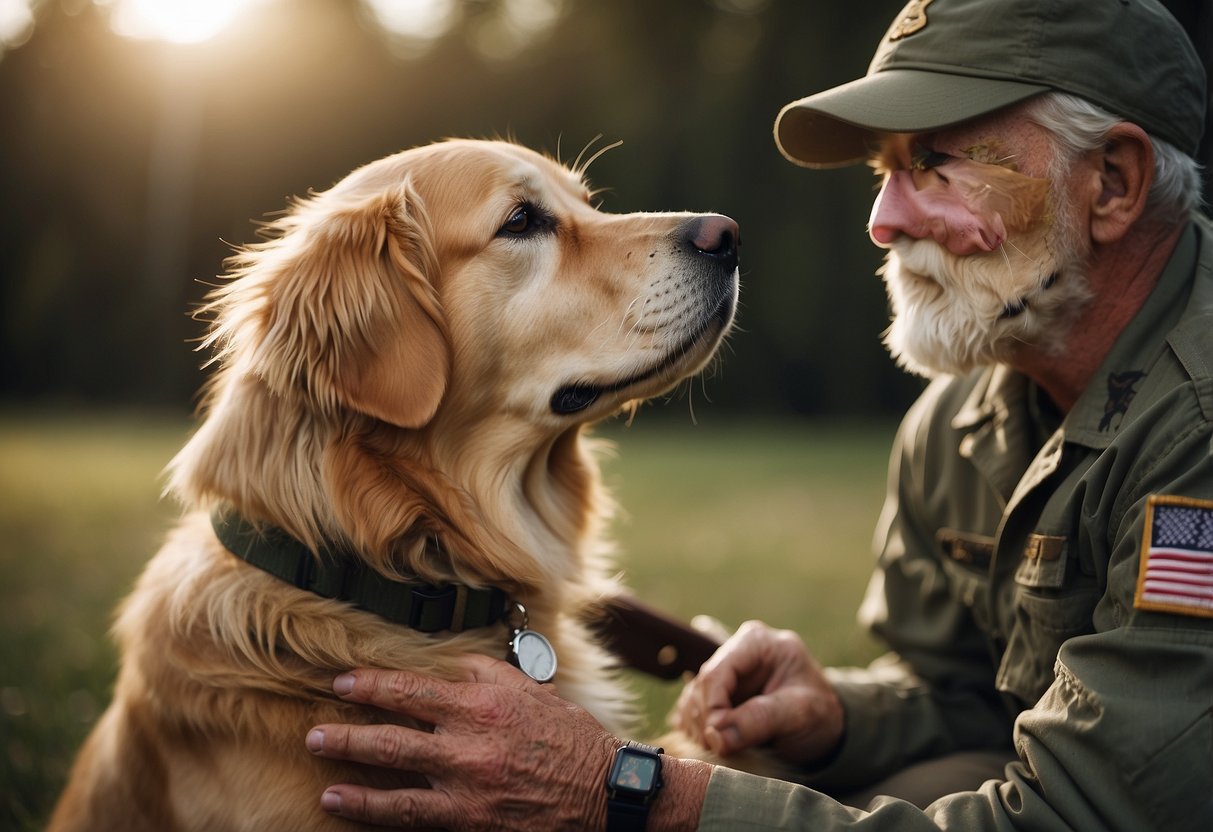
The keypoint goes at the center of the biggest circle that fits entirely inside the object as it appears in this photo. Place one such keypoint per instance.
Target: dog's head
(439, 321)
(469, 278)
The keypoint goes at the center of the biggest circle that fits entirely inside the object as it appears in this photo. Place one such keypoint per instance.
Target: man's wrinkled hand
(762, 687)
(505, 752)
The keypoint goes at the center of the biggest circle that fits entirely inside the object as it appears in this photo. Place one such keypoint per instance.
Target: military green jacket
(1046, 583)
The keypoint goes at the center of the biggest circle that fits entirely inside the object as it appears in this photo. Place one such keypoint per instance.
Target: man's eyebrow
(990, 153)
(885, 157)
(882, 160)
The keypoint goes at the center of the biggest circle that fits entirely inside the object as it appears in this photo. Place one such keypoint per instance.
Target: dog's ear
(350, 316)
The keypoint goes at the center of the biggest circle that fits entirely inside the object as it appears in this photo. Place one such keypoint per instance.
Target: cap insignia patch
(912, 18)
(1176, 571)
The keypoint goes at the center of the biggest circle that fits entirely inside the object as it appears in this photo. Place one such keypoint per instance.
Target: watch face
(533, 654)
(634, 772)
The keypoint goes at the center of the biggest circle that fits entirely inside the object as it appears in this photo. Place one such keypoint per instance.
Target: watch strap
(624, 816)
(627, 813)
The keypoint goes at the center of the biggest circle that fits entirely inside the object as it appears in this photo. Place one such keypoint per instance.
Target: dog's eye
(520, 221)
(525, 220)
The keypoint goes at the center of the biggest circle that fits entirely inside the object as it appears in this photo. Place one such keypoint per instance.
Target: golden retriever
(406, 368)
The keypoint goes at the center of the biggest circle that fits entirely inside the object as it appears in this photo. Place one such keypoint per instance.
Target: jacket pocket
(1044, 620)
(966, 562)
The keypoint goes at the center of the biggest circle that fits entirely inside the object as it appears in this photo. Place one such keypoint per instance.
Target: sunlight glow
(414, 19)
(518, 24)
(16, 23)
(176, 21)
(533, 15)
(498, 31)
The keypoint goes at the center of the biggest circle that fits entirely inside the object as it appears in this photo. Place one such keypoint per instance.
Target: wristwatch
(631, 786)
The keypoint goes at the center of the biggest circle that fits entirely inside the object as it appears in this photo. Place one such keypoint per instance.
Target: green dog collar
(421, 606)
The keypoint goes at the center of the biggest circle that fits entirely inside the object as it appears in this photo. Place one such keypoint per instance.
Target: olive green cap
(943, 62)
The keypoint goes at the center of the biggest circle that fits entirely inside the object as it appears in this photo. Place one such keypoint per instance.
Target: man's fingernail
(343, 684)
(722, 739)
(315, 740)
(330, 801)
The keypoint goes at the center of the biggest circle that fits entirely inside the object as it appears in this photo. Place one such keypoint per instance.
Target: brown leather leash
(652, 641)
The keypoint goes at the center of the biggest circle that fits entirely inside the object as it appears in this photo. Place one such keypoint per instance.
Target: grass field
(738, 521)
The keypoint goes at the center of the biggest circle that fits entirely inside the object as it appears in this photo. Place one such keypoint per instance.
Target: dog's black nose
(715, 236)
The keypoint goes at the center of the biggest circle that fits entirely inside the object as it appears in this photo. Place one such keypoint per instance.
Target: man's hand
(506, 752)
(762, 687)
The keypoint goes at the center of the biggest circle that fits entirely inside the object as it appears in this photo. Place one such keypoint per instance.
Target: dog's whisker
(627, 313)
(1033, 260)
(602, 323)
(691, 401)
(634, 335)
(1006, 259)
(576, 165)
(597, 155)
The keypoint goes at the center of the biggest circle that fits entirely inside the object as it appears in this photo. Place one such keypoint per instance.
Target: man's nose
(894, 212)
(934, 211)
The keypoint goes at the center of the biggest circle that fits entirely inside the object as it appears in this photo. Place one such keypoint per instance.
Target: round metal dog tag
(533, 654)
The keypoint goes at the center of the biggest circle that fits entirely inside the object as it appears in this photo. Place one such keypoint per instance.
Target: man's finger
(751, 723)
(686, 716)
(748, 652)
(421, 697)
(390, 746)
(482, 669)
(402, 807)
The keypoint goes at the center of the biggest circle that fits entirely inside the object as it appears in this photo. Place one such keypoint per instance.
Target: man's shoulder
(1200, 301)
(1191, 340)
(1203, 223)
(952, 407)
(963, 401)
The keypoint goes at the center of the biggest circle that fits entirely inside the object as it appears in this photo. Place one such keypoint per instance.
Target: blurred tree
(129, 166)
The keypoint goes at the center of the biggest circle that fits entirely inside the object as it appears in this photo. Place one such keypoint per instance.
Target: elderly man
(1045, 573)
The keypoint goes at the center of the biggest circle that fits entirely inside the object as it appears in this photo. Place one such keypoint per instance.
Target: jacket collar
(1096, 416)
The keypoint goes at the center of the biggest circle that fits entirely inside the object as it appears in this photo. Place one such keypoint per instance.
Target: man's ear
(1124, 168)
(351, 316)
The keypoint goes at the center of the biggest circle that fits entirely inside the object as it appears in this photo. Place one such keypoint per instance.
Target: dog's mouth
(1017, 307)
(573, 398)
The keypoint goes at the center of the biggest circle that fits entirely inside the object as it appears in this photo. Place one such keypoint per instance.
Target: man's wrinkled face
(985, 252)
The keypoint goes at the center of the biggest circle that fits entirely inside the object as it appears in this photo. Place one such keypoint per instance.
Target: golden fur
(387, 367)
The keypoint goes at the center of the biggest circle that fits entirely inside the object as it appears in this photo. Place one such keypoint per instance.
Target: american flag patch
(1176, 572)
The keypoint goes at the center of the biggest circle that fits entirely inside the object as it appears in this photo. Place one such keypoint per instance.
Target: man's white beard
(954, 313)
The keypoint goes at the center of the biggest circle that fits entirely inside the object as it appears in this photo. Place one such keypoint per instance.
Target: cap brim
(838, 126)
